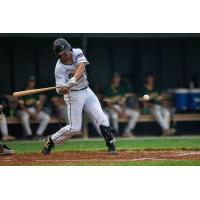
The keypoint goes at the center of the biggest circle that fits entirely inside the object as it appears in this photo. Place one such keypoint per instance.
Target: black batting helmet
(60, 46)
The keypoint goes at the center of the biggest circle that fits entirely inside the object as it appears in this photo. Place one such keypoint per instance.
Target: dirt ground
(96, 157)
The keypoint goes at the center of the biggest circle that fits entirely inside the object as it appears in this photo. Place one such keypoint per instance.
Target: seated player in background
(115, 97)
(30, 107)
(45, 103)
(59, 108)
(4, 150)
(4, 109)
(156, 106)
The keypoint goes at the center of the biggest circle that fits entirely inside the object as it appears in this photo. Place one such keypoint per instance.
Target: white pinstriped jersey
(64, 72)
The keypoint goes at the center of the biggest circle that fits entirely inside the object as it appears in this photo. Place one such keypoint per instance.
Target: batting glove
(71, 82)
(66, 86)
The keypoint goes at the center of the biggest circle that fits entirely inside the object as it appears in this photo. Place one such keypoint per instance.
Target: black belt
(81, 88)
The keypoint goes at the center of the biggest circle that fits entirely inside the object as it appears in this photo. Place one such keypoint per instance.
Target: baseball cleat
(168, 132)
(4, 150)
(8, 138)
(38, 137)
(111, 147)
(109, 138)
(48, 145)
(128, 135)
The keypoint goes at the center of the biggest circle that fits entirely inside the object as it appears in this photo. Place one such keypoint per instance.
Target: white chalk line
(190, 153)
(125, 160)
(181, 154)
(92, 160)
(162, 157)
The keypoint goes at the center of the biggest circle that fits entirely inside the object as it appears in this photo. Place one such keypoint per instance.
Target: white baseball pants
(42, 118)
(133, 116)
(3, 125)
(162, 115)
(77, 102)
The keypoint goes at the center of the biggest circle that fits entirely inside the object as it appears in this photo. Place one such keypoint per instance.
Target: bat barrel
(30, 92)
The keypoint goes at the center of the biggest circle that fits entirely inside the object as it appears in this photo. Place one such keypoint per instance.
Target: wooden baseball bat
(34, 91)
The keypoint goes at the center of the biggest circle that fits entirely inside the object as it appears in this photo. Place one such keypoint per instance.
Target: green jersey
(115, 94)
(30, 100)
(152, 93)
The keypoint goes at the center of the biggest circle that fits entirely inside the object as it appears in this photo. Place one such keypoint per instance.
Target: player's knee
(167, 113)
(136, 114)
(24, 115)
(132, 114)
(154, 112)
(76, 129)
(69, 128)
(66, 129)
(114, 116)
(46, 118)
(3, 118)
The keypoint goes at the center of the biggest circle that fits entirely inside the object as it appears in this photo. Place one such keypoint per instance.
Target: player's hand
(62, 89)
(71, 82)
(121, 114)
(160, 98)
(63, 92)
(32, 115)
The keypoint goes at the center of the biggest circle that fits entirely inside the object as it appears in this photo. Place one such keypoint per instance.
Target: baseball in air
(146, 97)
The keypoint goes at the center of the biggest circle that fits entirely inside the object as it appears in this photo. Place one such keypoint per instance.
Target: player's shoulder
(58, 66)
(77, 52)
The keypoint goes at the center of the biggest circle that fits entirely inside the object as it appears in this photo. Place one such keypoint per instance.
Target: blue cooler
(181, 99)
(194, 100)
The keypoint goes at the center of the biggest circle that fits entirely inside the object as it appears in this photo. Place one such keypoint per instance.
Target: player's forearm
(123, 106)
(79, 71)
(72, 81)
(112, 107)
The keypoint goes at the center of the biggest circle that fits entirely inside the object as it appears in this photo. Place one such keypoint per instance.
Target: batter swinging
(72, 80)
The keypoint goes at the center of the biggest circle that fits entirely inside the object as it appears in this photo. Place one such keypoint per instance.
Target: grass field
(130, 146)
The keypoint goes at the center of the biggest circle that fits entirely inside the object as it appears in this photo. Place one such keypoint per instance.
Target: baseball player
(115, 97)
(70, 76)
(155, 106)
(4, 126)
(30, 107)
